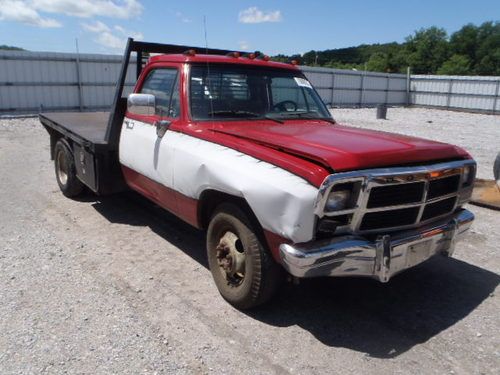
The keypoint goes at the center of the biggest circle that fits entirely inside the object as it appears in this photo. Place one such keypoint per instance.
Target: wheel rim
(62, 168)
(231, 258)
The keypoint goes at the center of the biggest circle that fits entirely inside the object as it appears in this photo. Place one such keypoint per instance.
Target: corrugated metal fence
(351, 88)
(34, 81)
(456, 92)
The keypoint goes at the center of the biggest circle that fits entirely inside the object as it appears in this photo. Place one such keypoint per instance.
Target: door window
(163, 83)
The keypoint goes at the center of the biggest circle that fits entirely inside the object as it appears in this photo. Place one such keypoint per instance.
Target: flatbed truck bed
(80, 126)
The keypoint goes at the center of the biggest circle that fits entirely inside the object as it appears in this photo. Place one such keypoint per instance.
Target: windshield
(222, 91)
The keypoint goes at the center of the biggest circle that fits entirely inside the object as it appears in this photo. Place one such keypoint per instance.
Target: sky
(273, 26)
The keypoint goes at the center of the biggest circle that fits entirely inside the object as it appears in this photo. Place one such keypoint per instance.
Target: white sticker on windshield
(302, 82)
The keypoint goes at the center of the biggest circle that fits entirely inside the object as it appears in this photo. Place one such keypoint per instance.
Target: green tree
(10, 48)
(470, 50)
(427, 50)
(490, 64)
(488, 51)
(455, 65)
(378, 62)
(465, 41)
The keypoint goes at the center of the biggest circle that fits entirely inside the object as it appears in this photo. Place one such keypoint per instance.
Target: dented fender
(282, 202)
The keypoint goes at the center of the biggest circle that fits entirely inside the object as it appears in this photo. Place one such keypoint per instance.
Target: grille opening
(389, 219)
(393, 195)
(443, 186)
(327, 226)
(438, 208)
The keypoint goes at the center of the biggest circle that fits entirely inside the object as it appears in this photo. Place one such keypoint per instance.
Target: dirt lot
(115, 285)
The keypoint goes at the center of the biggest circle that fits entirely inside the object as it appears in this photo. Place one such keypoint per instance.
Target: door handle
(162, 127)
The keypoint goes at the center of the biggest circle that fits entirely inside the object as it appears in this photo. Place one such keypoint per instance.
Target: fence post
(408, 85)
(388, 78)
(362, 89)
(495, 99)
(448, 99)
(79, 77)
(333, 88)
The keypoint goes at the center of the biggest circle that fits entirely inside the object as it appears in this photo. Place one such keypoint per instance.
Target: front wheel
(243, 270)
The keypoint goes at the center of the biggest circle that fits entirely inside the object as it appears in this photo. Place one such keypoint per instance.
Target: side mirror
(141, 104)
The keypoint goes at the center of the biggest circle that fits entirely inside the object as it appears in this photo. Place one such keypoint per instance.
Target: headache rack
(143, 49)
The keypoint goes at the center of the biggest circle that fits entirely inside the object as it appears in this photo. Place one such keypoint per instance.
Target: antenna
(208, 68)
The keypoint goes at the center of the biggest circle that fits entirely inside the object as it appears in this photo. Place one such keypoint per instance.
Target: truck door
(145, 154)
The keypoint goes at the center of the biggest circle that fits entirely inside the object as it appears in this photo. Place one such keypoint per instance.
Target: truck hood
(343, 148)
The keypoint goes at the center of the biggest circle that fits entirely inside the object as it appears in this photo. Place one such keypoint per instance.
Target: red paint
(273, 242)
(217, 59)
(187, 209)
(344, 148)
(184, 207)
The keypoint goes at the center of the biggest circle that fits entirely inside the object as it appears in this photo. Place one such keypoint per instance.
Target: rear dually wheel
(65, 170)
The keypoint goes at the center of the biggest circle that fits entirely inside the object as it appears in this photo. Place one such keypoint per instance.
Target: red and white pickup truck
(244, 148)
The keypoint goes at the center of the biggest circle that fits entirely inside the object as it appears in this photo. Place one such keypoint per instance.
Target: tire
(243, 283)
(65, 170)
(496, 168)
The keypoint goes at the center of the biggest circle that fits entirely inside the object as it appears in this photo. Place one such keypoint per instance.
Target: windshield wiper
(327, 119)
(243, 113)
(233, 113)
(267, 117)
(303, 115)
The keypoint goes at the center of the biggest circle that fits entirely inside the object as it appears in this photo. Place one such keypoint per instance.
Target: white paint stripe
(282, 201)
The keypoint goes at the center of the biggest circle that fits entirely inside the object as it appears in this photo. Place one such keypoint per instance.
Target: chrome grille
(439, 208)
(396, 198)
(389, 219)
(382, 196)
(443, 186)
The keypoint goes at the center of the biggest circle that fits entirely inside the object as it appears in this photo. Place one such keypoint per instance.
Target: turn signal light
(294, 62)
(436, 174)
(233, 54)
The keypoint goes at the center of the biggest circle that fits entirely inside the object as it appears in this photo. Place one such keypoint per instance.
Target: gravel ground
(116, 285)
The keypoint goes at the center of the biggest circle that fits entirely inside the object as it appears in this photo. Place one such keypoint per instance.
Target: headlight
(338, 200)
(467, 175)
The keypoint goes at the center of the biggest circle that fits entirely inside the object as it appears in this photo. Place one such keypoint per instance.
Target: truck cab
(244, 148)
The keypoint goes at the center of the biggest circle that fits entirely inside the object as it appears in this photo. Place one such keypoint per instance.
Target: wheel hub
(231, 257)
(62, 168)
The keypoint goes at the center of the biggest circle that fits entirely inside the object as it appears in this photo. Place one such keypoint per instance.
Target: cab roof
(218, 59)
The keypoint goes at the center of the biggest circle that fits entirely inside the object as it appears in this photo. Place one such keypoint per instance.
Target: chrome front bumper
(380, 258)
